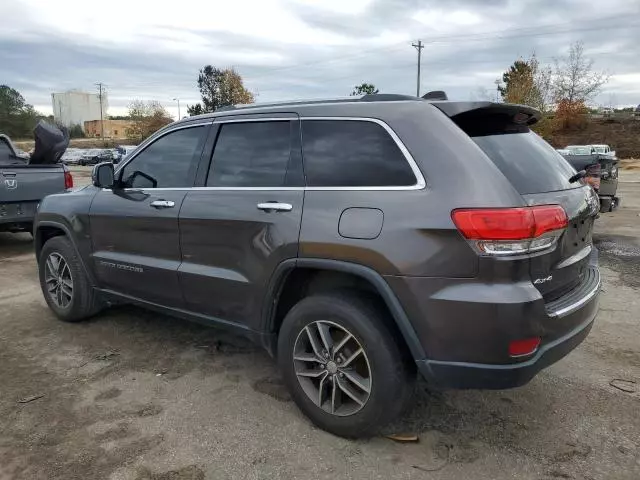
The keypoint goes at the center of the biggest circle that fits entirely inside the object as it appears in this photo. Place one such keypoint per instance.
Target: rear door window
(528, 162)
(352, 153)
(251, 154)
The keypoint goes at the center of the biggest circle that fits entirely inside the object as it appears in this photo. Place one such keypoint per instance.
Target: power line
(437, 63)
(401, 68)
(497, 34)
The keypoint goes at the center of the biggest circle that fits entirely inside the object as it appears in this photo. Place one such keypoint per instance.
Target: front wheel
(342, 363)
(64, 283)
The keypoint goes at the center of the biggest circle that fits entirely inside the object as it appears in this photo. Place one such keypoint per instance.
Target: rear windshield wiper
(578, 176)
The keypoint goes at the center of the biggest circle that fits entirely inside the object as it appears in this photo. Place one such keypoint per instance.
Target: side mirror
(102, 175)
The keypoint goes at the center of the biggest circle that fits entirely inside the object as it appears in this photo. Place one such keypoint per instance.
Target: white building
(75, 107)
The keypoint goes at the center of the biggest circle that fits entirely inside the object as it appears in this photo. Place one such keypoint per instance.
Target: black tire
(84, 302)
(391, 373)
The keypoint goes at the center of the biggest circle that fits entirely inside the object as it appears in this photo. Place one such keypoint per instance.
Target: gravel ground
(136, 395)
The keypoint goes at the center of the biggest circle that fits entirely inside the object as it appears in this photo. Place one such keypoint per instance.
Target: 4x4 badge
(538, 281)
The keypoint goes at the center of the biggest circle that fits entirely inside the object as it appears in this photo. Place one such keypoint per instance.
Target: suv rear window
(528, 162)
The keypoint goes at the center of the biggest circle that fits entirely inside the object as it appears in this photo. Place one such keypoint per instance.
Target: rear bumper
(465, 329)
(17, 215)
(485, 376)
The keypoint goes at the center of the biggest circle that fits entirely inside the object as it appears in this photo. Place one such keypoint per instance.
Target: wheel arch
(364, 275)
(45, 230)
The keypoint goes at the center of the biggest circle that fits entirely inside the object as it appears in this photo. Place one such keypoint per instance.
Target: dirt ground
(136, 395)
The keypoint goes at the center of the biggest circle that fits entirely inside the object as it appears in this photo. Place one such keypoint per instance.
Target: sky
(292, 49)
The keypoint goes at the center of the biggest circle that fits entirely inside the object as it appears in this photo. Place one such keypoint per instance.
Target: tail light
(511, 231)
(68, 180)
(614, 172)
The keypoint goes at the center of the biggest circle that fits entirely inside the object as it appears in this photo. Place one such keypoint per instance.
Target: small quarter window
(352, 153)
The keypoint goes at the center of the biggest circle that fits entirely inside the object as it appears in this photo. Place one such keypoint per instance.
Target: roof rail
(372, 97)
(287, 102)
(386, 97)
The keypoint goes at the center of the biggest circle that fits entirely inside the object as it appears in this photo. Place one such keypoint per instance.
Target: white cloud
(303, 48)
(127, 21)
(445, 21)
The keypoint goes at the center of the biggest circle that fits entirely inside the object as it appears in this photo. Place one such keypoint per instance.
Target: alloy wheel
(332, 368)
(58, 280)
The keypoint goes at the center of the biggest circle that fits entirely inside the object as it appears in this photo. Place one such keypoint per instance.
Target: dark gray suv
(357, 240)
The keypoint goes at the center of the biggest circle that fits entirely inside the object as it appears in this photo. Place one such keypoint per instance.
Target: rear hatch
(541, 176)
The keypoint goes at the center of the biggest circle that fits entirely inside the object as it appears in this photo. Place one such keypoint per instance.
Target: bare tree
(542, 85)
(575, 79)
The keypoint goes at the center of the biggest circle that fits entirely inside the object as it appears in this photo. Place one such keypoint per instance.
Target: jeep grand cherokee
(358, 241)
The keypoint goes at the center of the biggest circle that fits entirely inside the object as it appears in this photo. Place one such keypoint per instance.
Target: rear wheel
(64, 283)
(342, 365)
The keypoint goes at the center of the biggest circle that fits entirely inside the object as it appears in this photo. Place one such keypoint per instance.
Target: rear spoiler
(488, 118)
(521, 114)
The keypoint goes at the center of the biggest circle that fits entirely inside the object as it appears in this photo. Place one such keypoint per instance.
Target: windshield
(599, 149)
(579, 150)
(528, 162)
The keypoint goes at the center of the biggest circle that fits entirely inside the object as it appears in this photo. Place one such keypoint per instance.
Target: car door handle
(275, 207)
(163, 204)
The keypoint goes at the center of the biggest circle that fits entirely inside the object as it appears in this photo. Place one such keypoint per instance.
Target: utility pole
(418, 46)
(99, 84)
(178, 100)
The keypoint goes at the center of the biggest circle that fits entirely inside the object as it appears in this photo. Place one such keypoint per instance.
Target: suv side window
(251, 154)
(352, 153)
(169, 162)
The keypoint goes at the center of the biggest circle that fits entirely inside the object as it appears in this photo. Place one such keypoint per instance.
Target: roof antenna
(435, 95)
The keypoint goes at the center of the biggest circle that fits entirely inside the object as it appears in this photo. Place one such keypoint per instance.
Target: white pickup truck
(24, 182)
(604, 150)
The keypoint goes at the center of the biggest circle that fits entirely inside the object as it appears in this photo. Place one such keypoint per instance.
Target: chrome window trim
(144, 145)
(310, 103)
(205, 189)
(420, 181)
(419, 185)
